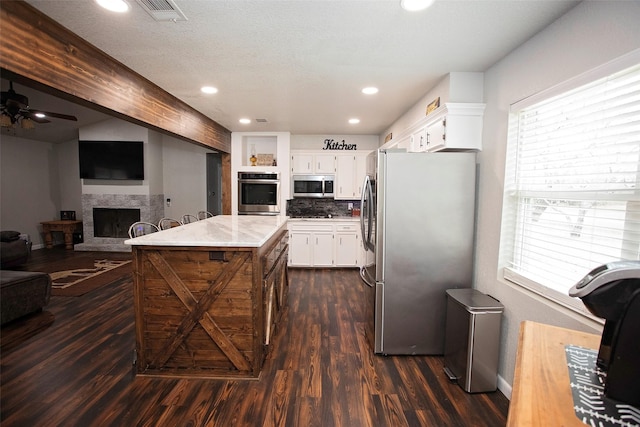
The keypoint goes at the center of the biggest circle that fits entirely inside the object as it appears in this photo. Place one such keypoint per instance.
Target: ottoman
(22, 293)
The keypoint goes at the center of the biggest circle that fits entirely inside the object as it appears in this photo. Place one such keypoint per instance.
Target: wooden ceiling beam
(41, 50)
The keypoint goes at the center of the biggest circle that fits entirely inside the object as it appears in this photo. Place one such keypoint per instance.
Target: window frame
(510, 207)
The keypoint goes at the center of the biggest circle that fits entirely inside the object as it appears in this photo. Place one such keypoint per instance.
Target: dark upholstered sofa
(13, 250)
(22, 293)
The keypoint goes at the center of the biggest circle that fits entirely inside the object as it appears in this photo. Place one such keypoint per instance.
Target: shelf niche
(263, 144)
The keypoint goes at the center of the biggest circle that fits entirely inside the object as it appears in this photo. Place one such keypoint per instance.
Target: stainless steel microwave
(312, 185)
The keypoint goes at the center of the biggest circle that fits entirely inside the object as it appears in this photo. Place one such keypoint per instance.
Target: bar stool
(188, 218)
(166, 223)
(141, 228)
(204, 215)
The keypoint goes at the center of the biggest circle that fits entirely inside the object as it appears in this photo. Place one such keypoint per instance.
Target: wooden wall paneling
(38, 48)
(37, 51)
(226, 183)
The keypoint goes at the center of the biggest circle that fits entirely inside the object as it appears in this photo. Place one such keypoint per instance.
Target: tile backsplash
(319, 208)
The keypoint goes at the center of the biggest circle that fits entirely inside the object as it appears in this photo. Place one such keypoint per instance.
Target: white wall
(28, 186)
(69, 177)
(185, 177)
(153, 162)
(587, 36)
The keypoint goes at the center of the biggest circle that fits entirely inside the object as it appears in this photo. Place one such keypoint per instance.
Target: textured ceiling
(301, 64)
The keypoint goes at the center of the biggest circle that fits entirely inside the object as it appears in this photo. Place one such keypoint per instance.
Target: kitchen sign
(332, 144)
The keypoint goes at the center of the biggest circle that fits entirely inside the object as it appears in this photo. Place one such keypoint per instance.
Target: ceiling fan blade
(30, 115)
(54, 115)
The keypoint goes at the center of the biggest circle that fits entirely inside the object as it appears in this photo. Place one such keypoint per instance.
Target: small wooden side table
(68, 227)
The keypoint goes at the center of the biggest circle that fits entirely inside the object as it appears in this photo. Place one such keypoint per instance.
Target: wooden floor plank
(73, 365)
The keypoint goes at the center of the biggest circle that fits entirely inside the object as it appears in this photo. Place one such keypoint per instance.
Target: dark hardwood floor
(72, 365)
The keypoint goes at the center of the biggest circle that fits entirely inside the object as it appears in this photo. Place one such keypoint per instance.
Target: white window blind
(572, 190)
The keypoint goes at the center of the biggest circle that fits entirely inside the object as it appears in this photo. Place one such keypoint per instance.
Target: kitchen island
(208, 296)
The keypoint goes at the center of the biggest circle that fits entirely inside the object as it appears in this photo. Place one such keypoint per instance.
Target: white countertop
(223, 230)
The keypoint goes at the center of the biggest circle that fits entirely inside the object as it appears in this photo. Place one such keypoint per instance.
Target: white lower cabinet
(347, 245)
(300, 249)
(323, 249)
(310, 244)
(324, 243)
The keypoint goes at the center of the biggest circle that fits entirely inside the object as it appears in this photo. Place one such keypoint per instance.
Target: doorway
(214, 183)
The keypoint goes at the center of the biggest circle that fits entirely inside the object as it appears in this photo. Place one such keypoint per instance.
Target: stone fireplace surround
(151, 210)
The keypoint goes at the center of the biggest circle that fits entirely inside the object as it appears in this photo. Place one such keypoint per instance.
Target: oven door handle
(258, 181)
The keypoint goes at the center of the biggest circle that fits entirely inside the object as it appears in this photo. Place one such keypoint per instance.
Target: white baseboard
(504, 387)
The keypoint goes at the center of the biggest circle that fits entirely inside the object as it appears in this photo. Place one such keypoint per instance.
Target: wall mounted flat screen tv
(111, 160)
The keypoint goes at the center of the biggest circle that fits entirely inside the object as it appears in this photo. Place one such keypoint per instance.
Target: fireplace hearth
(108, 222)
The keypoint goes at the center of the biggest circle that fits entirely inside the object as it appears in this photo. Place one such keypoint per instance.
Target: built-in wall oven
(258, 193)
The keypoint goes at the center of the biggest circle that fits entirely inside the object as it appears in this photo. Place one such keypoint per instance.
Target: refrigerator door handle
(367, 214)
(370, 216)
(362, 214)
(363, 276)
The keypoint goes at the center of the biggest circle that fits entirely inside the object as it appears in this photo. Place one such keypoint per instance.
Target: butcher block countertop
(541, 390)
(249, 231)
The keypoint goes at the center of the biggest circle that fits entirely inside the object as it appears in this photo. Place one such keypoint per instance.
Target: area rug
(73, 283)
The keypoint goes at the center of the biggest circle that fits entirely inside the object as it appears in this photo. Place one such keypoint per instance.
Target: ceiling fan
(14, 108)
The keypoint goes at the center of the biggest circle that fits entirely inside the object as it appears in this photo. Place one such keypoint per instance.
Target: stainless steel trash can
(472, 339)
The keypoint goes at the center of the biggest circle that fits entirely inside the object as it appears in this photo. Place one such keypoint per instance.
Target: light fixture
(245, 121)
(119, 6)
(27, 124)
(415, 5)
(5, 121)
(370, 90)
(354, 121)
(40, 115)
(209, 89)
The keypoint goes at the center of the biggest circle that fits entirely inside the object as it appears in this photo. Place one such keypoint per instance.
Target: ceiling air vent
(261, 120)
(162, 10)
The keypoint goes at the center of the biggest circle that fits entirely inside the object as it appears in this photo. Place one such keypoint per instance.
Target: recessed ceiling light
(354, 121)
(245, 121)
(209, 89)
(114, 5)
(415, 5)
(40, 115)
(370, 90)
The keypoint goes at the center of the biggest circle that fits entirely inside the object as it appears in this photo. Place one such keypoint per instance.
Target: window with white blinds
(572, 189)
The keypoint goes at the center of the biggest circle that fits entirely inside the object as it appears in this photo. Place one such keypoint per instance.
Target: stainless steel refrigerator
(418, 227)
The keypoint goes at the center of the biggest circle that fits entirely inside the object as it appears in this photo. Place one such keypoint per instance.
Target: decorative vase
(253, 159)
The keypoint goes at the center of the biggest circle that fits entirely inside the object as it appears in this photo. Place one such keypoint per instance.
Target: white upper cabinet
(311, 163)
(418, 140)
(453, 126)
(350, 172)
(436, 136)
(456, 127)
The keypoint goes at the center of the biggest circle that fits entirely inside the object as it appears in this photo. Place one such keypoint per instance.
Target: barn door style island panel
(208, 296)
